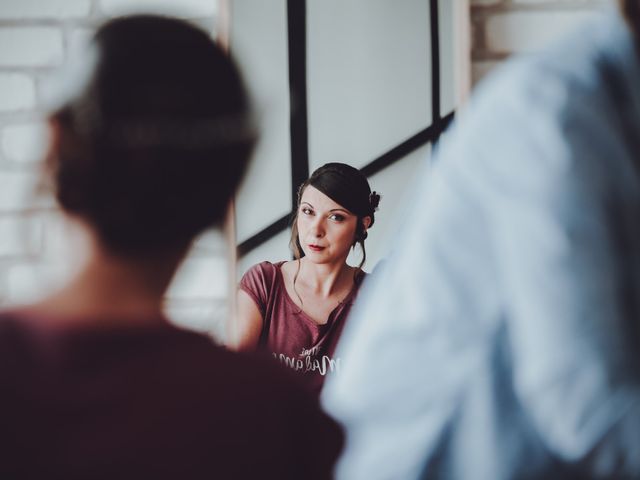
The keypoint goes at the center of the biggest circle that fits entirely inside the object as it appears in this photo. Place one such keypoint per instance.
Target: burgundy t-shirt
(292, 337)
(152, 402)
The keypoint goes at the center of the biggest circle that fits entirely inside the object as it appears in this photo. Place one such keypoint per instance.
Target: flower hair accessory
(374, 200)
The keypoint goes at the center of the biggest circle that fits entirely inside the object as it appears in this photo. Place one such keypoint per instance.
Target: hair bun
(374, 200)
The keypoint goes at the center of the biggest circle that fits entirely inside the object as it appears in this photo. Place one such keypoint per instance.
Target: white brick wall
(20, 235)
(30, 47)
(503, 27)
(17, 92)
(516, 32)
(18, 191)
(57, 9)
(24, 142)
(38, 249)
(28, 281)
(200, 277)
(187, 8)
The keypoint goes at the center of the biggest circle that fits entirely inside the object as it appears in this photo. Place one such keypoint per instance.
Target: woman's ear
(366, 222)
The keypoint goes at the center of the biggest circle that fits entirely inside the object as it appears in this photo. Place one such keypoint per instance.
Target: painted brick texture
(30, 46)
(17, 92)
(48, 9)
(187, 8)
(505, 27)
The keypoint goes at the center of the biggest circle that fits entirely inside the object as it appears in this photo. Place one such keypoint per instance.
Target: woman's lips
(315, 248)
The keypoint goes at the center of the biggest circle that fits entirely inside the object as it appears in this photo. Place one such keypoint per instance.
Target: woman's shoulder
(262, 275)
(264, 268)
(262, 281)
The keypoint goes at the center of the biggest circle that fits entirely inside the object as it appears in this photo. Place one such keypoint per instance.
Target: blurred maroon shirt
(151, 402)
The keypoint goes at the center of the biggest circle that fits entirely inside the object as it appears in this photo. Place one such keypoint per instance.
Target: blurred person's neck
(114, 288)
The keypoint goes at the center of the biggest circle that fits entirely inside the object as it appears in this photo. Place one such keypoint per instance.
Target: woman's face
(326, 230)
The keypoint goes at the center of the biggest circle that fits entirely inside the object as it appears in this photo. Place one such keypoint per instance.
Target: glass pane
(368, 77)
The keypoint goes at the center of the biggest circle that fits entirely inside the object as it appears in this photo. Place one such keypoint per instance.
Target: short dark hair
(155, 142)
(347, 186)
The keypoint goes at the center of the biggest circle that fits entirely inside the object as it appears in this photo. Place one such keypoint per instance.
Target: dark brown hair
(156, 140)
(347, 186)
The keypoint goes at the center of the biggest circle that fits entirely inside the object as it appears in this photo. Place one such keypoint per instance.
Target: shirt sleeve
(564, 221)
(515, 278)
(258, 282)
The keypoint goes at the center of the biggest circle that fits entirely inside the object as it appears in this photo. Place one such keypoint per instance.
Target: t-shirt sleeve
(257, 282)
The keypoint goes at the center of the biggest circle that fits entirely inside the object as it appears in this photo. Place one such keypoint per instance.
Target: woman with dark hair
(146, 151)
(297, 309)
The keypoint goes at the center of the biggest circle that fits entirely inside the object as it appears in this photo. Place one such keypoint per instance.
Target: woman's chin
(323, 257)
(315, 255)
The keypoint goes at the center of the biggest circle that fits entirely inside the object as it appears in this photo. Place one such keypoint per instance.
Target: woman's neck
(325, 279)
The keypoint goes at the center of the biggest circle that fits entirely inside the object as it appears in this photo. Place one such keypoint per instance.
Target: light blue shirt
(501, 340)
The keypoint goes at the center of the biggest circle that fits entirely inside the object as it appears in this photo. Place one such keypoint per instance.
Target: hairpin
(374, 200)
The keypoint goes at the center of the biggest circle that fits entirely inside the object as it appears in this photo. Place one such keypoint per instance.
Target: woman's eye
(337, 217)
(306, 211)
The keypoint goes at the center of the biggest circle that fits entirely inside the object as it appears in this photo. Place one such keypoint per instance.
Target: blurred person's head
(340, 196)
(150, 146)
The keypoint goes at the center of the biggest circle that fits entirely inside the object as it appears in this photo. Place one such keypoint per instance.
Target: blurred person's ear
(54, 137)
(61, 146)
(52, 152)
(50, 155)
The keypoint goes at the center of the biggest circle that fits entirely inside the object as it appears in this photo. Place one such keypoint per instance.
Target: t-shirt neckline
(347, 300)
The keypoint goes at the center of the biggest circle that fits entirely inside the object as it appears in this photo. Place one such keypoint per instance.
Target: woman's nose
(317, 228)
